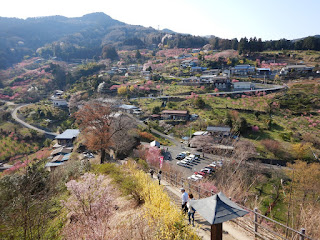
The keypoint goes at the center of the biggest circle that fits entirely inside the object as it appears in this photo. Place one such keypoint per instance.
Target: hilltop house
(58, 100)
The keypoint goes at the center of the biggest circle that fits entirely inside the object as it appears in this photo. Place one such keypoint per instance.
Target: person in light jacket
(184, 200)
(191, 210)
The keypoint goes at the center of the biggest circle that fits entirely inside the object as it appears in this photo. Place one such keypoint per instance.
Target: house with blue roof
(243, 70)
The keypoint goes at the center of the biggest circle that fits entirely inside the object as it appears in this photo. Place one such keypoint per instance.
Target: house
(61, 157)
(264, 71)
(61, 151)
(122, 70)
(175, 115)
(188, 63)
(296, 68)
(50, 166)
(220, 82)
(59, 102)
(221, 130)
(196, 50)
(67, 137)
(132, 68)
(198, 69)
(243, 70)
(190, 80)
(199, 133)
(243, 85)
(145, 74)
(212, 72)
(129, 108)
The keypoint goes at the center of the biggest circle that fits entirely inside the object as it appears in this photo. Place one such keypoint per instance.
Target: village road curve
(27, 125)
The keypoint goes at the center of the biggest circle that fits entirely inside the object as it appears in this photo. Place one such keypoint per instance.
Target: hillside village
(211, 119)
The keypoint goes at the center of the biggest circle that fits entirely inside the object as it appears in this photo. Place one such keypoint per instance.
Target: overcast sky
(269, 19)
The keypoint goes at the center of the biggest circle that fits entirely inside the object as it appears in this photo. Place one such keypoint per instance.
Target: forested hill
(70, 38)
(85, 37)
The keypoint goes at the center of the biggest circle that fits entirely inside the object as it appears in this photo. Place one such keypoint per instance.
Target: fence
(255, 223)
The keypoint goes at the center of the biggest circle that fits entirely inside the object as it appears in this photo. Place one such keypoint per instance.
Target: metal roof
(53, 164)
(218, 129)
(128, 107)
(174, 112)
(217, 208)
(200, 133)
(68, 134)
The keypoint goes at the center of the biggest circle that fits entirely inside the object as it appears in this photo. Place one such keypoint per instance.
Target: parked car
(207, 170)
(194, 157)
(213, 169)
(219, 163)
(183, 162)
(200, 173)
(195, 177)
(182, 155)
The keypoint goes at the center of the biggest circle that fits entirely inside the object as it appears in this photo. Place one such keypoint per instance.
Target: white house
(58, 102)
(243, 85)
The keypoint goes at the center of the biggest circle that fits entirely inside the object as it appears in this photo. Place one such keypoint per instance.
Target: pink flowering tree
(90, 206)
(153, 156)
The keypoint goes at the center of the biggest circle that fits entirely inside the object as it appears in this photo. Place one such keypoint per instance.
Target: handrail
(175, 180)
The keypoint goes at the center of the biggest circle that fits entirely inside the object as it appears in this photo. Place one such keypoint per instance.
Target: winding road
(27, 125)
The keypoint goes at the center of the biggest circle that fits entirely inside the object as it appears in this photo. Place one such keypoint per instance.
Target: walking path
(230, 230)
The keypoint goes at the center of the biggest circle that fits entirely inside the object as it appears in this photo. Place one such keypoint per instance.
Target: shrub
(272, 146)
(146, 136)
(164, 218)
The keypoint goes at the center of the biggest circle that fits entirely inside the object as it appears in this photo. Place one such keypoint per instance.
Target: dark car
(181, 156)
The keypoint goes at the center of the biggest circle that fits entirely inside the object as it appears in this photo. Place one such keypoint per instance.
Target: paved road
(27, 125)
(274, 88)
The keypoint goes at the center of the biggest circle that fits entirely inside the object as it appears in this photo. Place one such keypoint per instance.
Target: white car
(182, 162)
(195, 177)
(213, 164)
(206, 170)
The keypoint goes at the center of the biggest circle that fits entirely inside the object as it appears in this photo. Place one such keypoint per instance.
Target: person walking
(184, 200)
(159, 176)
(151, 172)
(191, 210)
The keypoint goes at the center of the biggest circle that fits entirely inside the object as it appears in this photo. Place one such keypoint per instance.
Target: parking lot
(189, 168)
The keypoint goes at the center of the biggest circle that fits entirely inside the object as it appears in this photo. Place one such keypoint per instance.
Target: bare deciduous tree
(99, 122)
